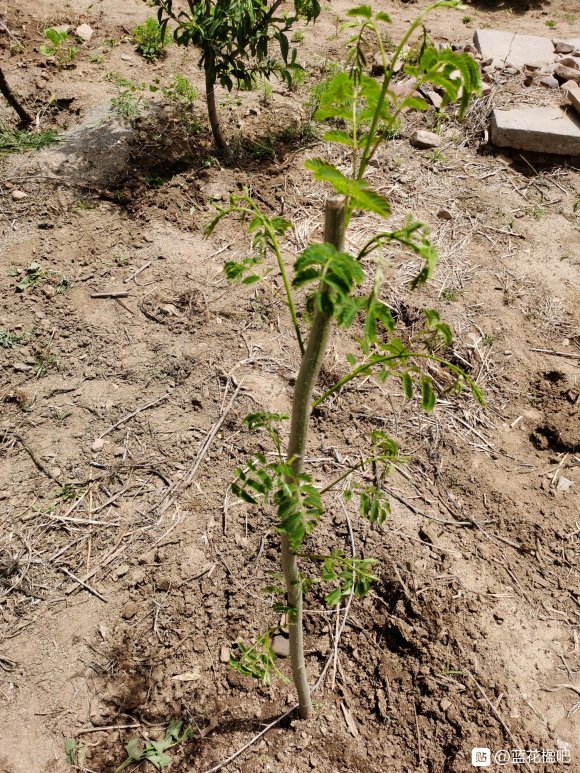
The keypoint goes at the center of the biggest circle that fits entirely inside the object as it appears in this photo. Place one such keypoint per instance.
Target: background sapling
(235, 38)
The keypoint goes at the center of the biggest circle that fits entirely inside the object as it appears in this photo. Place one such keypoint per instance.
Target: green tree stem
(301, 409)
(369, 150)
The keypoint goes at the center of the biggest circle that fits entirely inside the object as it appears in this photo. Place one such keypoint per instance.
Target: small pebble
(281, 646)
(129, 610)
(19, 195)
(98, 444)
(549, 82)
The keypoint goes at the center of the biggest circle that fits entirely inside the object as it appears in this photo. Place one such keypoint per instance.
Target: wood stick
(41, 466)
(131, 415)
(176, 489)
(136, 273)
(111, 294)
(84, 584)
(571, 355)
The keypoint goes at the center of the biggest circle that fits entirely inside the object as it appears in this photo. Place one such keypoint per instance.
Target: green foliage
(128, 103)
(235, 38)
(59, 48)
(181, 91)
(350, 575)
(347, 290)
(45, 361)
(155, 751)
(33, 276)
(9, 340)
(21, 140)
(258, 660)
(150, 39)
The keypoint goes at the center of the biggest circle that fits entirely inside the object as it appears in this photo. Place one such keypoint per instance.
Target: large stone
(423, 139)
(567, 73)
(509, 48)
(574, 99)
(538, 129)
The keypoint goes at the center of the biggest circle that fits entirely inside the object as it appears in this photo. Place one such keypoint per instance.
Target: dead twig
(84, 584)
(174, 491)
(131, 415)
(40, 465)
(498, 716)
(136, 273)
(571, 355)
(111, 294)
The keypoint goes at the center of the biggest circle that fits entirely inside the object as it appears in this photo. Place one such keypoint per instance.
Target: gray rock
(574, 99)
(562, 47)
(281, 645)
(564, 73)
(423, 139)
(570, 61)
(537, 129)
(549, 82)
(84, 32)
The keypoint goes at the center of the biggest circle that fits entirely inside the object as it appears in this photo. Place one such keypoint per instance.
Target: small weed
(20, 140)
(569, 18)
(84, 204)
(63, 285)
(298, 79)
(467, 19)
(150, 39)
(121, 260)
(69, 492)
(488, 339)
(297, 37)
(128, 102)
(17, 48)
(75, 754)
(97, 59)
(44, 362)
(577, 205)
(267, 94)
(437, 157)
(112, 42)
(183, 94)
(180, 90)
(60, 416)
(551, 23)
(154, 751)
(33, 277)
(59, 48)
(450, 294)
(154, 182)
(9, 340)
(538, 212)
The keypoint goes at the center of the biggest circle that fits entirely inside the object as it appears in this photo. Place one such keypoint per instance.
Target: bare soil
(127, 570)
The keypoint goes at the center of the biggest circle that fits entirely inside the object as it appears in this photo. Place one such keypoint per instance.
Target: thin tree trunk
(25, 117)
(301, 408)
(211, 107)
